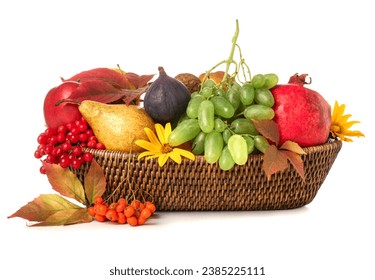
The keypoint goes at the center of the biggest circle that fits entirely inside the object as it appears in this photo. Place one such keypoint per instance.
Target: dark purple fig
(166, 99)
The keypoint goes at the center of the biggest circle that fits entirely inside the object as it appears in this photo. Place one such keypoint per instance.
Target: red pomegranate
(65, 112)
(301, 114)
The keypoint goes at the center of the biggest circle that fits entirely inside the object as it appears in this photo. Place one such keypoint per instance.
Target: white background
(41, 41)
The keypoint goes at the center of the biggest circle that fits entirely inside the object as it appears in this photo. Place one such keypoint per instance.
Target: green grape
(247, 94)
(198, 143)
(206, 115)
(264, 97)
(261, 143)
(223, 107)
(237, 147)
(193, 106)
(194, 94)
(233, 96)
(209, 83)
(213, 145)
(219, 92)
(185, 131)
(271, 80)
(219, 125)
(243, 126)
(207, 91)
(258, 81)
(226, 134)
(250, 143)
(259, 112)
(226, 161)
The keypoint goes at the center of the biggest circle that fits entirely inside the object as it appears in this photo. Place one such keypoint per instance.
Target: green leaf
(293, 147)
(95, 182)
(269, 129)
(65, 182)
(296, 161)
(67, 217)
(43, 207)
(273, 161)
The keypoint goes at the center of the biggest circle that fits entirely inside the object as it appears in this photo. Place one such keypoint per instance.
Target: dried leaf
(95, 182)
(137, 81)
(273, 161)
(296, 161)
(293, 147)
(43, 207)
(132, 94)
(110, 76)
(269, 129)
(67, 217)
(65, 182)
(97, 90)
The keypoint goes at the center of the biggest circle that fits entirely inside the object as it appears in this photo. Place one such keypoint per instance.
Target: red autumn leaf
(132, 94)
(273, 161)
(65, 182)
(138, 81)
(95, 182)
(97, 90)
(296, 161)
(269, 129)
(293, 147)
(67, 217)
(43, 207)
(110, 76)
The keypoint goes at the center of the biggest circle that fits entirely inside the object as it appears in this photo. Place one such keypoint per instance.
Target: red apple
(301, 114)
(65, 112)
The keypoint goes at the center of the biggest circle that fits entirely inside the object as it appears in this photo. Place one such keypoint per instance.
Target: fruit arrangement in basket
(221, 117)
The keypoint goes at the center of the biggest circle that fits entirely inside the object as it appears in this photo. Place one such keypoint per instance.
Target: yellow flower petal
(167, 131)
(160, 132)
(152, 137)
(162, 159)
(148, 146)
(146, 154)
(185, 153)
(175, 156)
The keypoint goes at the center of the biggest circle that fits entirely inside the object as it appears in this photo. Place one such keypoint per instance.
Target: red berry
(77, 150)
(66, 146)
(98, 200)
(88, 157)
(62, 129)
(60, 137)
(42, 139)
(111, 215)
(50, 132)
(100, 146)
(42, 170)
(91, 144)
(76, 163)
(83, 137)
(64, 162)
(38, 154)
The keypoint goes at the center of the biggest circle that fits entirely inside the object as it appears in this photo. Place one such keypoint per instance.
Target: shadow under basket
(199, 186)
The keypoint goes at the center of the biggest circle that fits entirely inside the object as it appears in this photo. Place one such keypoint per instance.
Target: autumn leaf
(67, 217)
(269, 129)
(43, 207)
(110, 76)
(65, 182)
(95, 182)
(293, 147)
(274, 161)
(296, 160)
(137, 81)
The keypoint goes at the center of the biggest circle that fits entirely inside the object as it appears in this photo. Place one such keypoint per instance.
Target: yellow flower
(340, 124)
(159, 147)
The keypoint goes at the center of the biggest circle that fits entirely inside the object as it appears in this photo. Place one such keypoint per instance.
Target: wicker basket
(196, 185)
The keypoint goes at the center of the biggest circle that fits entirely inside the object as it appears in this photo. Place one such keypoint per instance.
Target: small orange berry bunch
(136, 213)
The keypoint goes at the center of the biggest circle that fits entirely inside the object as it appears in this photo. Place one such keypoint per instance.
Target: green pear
(117, 126)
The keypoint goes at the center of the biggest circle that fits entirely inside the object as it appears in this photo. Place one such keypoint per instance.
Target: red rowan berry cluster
(64, 145)
(136, 213)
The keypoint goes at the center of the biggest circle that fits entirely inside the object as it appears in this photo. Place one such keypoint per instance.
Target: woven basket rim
(332, 144)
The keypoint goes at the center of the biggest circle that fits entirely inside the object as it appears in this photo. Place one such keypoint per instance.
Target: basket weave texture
(198, 186)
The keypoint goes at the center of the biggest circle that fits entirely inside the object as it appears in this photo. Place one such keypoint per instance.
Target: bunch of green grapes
(218, 120)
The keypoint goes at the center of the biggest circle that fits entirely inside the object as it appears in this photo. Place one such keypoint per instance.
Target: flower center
(336, 128)
(166, 148)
